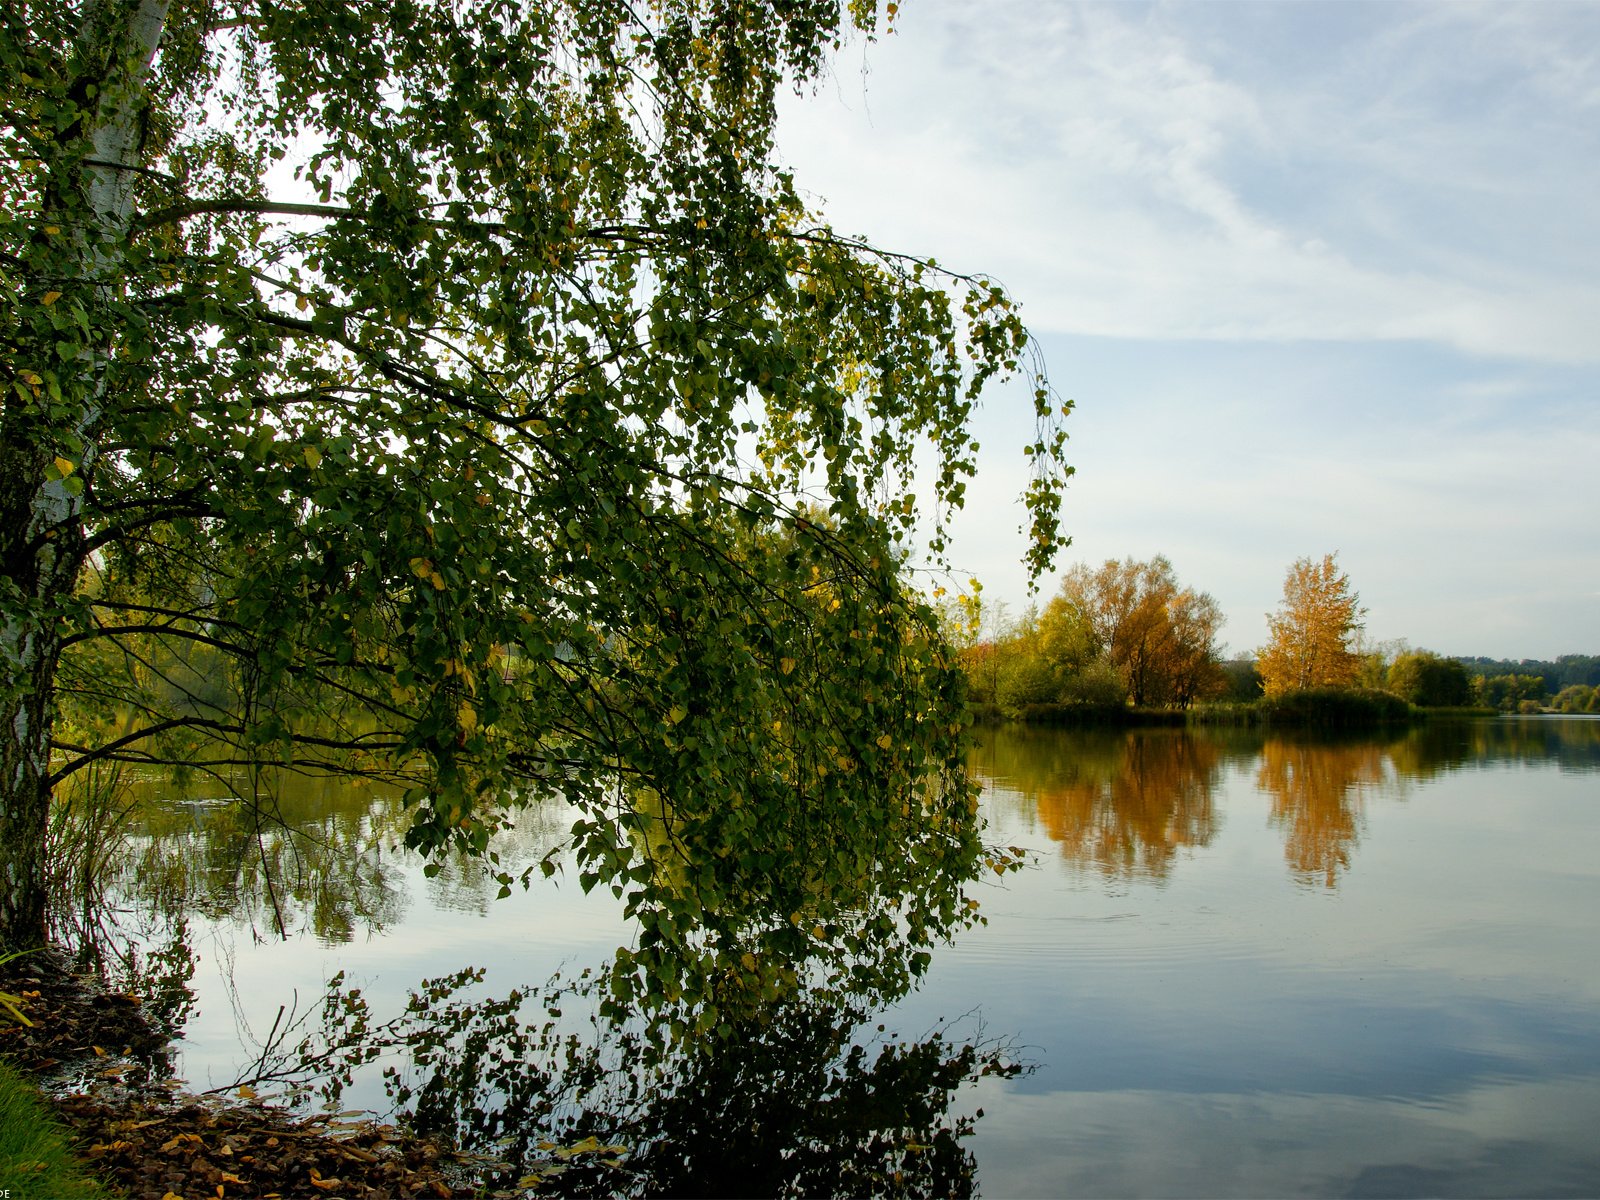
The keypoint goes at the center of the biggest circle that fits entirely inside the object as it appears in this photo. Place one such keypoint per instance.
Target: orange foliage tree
(1160, 638)
(1310, 637)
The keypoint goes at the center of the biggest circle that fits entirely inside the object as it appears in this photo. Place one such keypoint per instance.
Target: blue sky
(1319, 277)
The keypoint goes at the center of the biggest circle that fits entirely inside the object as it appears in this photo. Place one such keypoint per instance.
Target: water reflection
(1228, 1007)
(1318, 794)
(277, 854)
(740, 1057)
(807, 1098)
(1572, 743)
(1122, 803)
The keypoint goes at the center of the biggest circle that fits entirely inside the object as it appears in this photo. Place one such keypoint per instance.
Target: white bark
(118, 41)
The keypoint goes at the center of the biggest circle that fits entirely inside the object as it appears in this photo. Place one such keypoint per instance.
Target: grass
(36, 1157)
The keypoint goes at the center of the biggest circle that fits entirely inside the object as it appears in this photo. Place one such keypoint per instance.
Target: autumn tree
(445, 386)
(1160, 638)
(1311, 636)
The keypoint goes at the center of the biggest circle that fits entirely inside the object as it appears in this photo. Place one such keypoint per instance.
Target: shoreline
(96, 1063)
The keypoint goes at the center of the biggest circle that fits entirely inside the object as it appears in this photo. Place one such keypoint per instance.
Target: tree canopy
(1118, 633)
(461, 393)
(1310, 637)
(1429, 680)
(1159, 637)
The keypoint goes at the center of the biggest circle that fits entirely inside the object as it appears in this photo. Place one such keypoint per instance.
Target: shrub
(1337, 708)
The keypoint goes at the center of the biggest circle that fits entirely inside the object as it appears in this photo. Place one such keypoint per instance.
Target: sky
(1318, 277)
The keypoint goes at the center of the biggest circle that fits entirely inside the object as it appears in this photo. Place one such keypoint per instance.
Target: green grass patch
(36, 1158)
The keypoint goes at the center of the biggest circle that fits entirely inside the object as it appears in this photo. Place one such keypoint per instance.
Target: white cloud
(1321, 277)
(1098, 163)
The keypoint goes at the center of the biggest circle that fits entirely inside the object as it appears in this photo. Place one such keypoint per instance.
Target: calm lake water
(1238, 965)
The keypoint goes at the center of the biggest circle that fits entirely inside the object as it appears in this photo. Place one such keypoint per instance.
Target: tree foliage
(1428, 680)
(1160, 638)
(1310, 637)
(461, 393)
(1577, 698)
(1562, 671)
(1510, 693)
(1124, 631)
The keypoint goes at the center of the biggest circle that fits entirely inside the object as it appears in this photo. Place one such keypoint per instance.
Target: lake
(1235, 964)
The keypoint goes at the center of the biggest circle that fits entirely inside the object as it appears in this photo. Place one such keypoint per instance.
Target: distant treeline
(1126, 642)
(1567, 670)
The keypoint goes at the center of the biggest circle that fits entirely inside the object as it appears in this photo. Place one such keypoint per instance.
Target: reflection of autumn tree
(1318, 797)
(279, 853)
(1122, 802)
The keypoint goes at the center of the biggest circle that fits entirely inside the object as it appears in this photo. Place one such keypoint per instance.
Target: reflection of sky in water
(1427, 1026)
(1212, 1020)
(446, 923)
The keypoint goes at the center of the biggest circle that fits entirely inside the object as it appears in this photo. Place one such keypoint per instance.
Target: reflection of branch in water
(274, 1051)
(804, 1098)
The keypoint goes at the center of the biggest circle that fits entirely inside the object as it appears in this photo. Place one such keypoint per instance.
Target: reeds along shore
(1326, 708)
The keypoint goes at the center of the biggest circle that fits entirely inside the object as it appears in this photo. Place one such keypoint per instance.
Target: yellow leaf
(677, 713)
(467, 716)
(66, 466)
(885, 741)
(49, 298)
(421, 567)
(52, 230)
(749, 961)
(313, 456)
(786, 665)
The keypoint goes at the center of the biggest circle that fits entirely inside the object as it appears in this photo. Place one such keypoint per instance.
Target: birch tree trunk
(48, 447)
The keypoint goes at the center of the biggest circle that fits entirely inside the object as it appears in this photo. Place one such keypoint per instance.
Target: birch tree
(448, 391)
